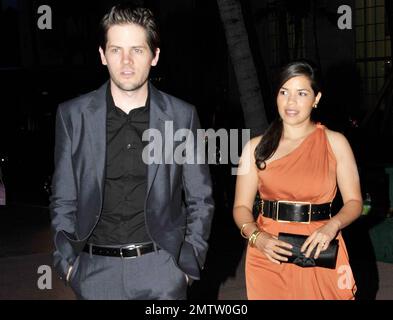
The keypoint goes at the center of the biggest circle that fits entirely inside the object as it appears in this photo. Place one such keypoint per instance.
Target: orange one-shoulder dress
(307, 174)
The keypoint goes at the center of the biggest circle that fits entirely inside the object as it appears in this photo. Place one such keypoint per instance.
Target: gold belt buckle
(293, 202)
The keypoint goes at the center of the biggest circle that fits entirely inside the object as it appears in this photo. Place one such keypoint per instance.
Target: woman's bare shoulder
(335, 136)
(255, 141)
(338, 141)
(249, 148)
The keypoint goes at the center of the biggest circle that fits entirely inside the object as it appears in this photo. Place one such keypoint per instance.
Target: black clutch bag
(326, 259)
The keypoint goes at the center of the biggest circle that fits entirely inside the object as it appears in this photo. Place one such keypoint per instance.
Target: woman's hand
(273, 248)
(320, 239)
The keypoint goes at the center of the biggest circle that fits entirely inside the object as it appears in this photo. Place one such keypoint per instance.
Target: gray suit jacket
(180, 225)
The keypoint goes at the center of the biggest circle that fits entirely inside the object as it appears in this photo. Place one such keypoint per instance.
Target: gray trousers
(152, 276)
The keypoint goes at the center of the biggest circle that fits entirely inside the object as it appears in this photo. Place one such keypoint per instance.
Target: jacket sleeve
(63, 201)
(198, 198)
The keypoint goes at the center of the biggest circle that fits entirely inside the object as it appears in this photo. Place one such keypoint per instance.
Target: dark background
(41, 68)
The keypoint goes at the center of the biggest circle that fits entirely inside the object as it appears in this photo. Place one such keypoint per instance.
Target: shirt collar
(111, 107)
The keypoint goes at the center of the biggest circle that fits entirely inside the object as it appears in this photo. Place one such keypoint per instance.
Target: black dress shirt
(122, 220)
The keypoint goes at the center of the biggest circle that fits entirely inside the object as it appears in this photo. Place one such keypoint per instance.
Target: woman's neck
(299, 131)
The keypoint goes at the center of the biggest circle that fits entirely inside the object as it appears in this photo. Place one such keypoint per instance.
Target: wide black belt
(129, 251)
(290, 211)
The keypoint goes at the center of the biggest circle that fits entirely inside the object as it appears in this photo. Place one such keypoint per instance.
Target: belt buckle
(131, 247)
(293, 202)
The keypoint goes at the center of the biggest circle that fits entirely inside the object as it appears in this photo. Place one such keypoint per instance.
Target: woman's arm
(347, 180)
(349, 186)
(246, 189)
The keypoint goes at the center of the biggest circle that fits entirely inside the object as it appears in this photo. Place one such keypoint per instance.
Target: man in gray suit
(126, 229)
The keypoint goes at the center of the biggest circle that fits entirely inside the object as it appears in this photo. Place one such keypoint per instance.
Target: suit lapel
(96, 125)
(158, 116)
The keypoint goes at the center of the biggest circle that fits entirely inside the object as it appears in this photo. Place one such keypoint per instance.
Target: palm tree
(239, 49)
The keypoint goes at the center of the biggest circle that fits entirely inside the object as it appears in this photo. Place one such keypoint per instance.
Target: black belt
(129, 251)
(292, 211)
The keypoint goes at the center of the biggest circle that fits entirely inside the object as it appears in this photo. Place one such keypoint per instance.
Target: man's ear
(102, 55)
(156, 58)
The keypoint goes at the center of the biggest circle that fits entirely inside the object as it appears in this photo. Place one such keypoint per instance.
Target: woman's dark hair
(128, 14)
(271, 139)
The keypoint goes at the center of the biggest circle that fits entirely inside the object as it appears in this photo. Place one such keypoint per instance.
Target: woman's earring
(316, 106)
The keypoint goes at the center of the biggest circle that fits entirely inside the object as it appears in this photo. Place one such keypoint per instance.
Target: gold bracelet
(254, 241)
(253, 238)
(245, 225)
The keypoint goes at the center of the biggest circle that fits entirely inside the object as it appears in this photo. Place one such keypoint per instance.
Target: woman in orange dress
(296, 167)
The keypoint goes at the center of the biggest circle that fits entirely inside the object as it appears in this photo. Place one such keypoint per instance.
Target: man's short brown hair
(126, 14)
